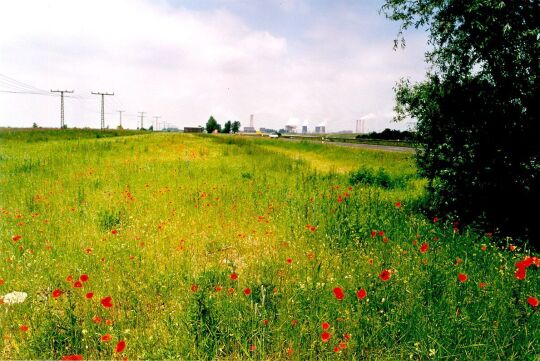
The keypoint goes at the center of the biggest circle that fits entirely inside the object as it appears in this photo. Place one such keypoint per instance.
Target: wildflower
(218, 288)
(435, 219)
(89, 295)
(511, 247)
(294, 322)
(525, 263)
(194, 288)
(347, 336)
(247, 291)
(373, 234)
(398, 204)
(325, 336)
(385, 275)
(108, 322)
(290, 352)
(234, 276)
(231, 291)
(521, 273)
(424, 247)
(23, 328)
(482, 285)
(69, 278)
(336, 349)
(120, 346)
(265, 322)
(83, 278)
(289, 260)
(16, 238)
(343, 345)
(107, 302)
(96, 319)
(106, 337)
(15, 297)
(325, 326)
(462, 277)
(114, 231)
(484, 247)
(338, 293)
(533, 301)
(77, 284)
(1, 281)
(56, 293)
(252, 348)
(361, 294)
(339, 199)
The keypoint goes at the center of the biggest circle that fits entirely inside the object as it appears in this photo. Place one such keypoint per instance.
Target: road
(387, 148)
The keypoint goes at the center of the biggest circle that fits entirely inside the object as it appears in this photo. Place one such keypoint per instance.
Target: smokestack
(251, 120)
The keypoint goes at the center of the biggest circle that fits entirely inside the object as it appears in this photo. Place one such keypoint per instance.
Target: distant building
(268, 130)
(290, 128)
(249, 129)
(304, 129)
(193, 129)
(320, 129)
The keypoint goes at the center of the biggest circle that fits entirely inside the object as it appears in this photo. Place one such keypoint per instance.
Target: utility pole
(142, 118)
(156, 118)
(102, 107)
(61, 104)
(120, 112)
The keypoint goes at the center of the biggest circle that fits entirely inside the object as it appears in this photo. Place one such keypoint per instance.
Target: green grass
(159, 222)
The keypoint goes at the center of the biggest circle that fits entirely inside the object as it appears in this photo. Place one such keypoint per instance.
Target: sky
(297, 62)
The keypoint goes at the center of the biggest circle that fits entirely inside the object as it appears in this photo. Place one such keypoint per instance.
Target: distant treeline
(389, 134)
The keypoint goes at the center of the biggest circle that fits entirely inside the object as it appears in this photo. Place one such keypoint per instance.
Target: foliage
(227, 127)
(212, 125)
(389, 134)
(379, 178)
(477, 110)
(235, 127)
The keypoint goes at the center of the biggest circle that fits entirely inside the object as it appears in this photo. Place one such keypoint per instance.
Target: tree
(235, 126)
(477, 109)
(212, 125)
(227, 127)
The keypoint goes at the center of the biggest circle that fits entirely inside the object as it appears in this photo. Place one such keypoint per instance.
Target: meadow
(167, 246)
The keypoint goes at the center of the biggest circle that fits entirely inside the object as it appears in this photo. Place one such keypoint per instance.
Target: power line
(142, 117)
(156, 118)
(62, 104)
(102, 107)
(120, 112)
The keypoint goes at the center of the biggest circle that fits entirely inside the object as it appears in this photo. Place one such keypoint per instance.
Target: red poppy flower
(381, 233)
(336, 349)
(83, 278)
(435, 219)
(234, 276)
(1, 281)
(16, 238)
(373, 234)
(398, 204)
(533, 301)
(23, 328)
(114, 231)
(194, 288)
(247, 291)
(338, 293)
(107, 302)
(325, 336)
(218, 288)
(290, 352)
(483, 247)
(89, 295)
(265, 322)
(343, 345)
(77, 284)
(69, 278)
(120, 346)
(294, 322)
(56, 293)
(339, 199)
(462, 277)
(385, 275)
(72, 358)
(231, 291)
(96, 319)
(106, 337)
(108, 322)
(521, 273)
(325, 326)
(347, 336)
(361, 294)
(482, 285)
(424, 247)
(252, 348)
(525, 263)
(289, 260)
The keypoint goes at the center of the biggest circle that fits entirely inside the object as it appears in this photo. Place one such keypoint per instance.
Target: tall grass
(162, 222)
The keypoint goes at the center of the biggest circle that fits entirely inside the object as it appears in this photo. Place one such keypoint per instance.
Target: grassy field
(161, 246)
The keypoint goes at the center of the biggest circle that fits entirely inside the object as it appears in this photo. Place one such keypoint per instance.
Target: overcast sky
(285, 61)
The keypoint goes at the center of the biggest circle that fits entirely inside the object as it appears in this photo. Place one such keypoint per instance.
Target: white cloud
(185, 65)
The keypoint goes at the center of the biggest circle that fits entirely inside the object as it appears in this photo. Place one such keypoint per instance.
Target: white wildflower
(15, 297)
